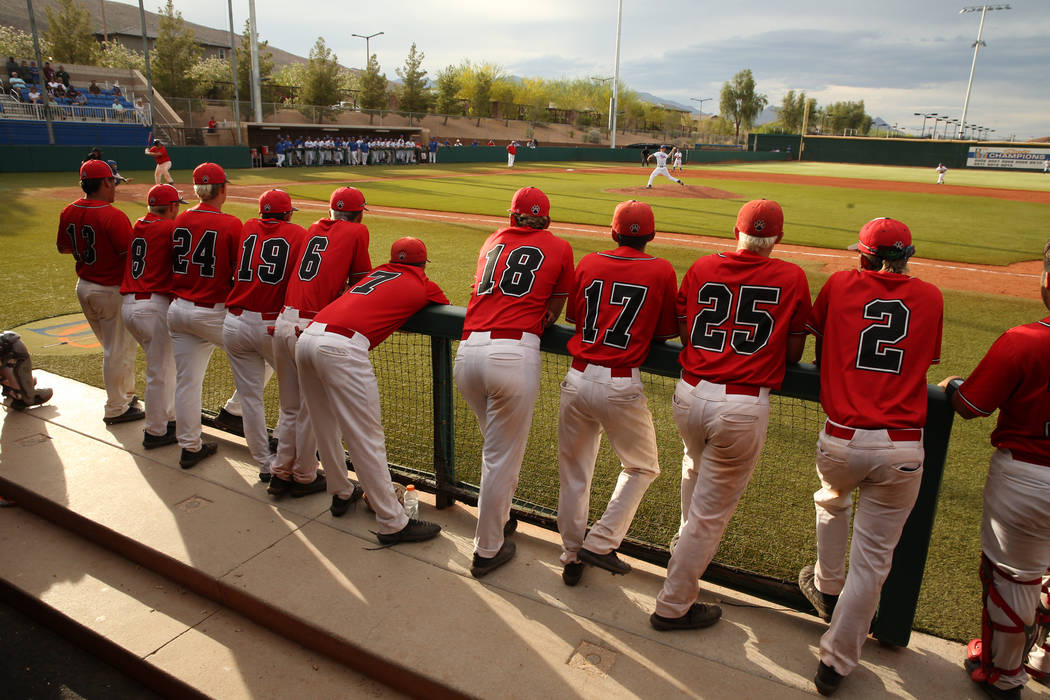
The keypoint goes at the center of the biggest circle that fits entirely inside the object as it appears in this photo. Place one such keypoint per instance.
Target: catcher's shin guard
(16, 373)
(997, 617)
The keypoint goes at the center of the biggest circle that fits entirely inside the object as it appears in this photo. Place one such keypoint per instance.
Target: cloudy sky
(899, 56)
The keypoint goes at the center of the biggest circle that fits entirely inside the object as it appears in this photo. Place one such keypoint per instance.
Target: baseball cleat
(823, 603)
(510, 527)
(415, 531)
(700, 615)
(229, 422)
(278, 487)
(648, 187)
(341, 505)
(133, 413)
(572, 573)
(482, 566)
(827, 679)
(151, 442)
(316, 486)
(681, 183)
(191, 459)
(609, 561)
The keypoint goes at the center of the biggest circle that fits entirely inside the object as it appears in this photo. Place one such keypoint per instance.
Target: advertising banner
(1015, 158)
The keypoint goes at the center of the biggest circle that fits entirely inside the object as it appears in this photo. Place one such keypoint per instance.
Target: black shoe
(415, 531)
(699, 616)
(572, 573)
(827, 679)
(151, 442)
(510, 527)
(264, 477)
(191, 459)
(341, 505)
(279, 487)
(609, 562)
(823, 603)
(480, 566)
(229, 422)
(132, 414)
(316, 486)
(273, 445)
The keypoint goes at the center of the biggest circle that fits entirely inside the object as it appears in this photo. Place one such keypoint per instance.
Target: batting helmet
(530, 202)
(156, 142)
(633, 218)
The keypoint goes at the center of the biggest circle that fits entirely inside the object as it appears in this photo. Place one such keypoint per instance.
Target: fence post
(444, 421)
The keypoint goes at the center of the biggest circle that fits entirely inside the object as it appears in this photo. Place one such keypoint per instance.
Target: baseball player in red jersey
(268, 247)
(146, 290)
(620, 301)
(523, 277)
(334, 255)
(740, 317)
(340, 388)
(878, 331)
(97, 234)
(163, 169)
(205, 253)
(1014, 377)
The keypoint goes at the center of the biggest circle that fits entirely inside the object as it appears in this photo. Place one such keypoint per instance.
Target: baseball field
(978, 237)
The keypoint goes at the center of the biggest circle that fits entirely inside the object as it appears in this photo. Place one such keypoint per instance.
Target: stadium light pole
(976, 47)
(614, 106)
(925, 116)
(149, 76)
(43, 90)
(700, 111)
(368, 39)
(233, 67)
(256, 88)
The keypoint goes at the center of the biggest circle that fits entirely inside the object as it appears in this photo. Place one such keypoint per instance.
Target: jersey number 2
(875, 351)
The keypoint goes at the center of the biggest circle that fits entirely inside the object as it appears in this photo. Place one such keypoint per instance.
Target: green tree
(479, 87)
(373, 86)
(211, 78)
(174, 54)
(244, 66)
(413, 95)
(793, 110)
(843, 116)
(448, 85)
(69, 38)
(15, 42)
(322, 85)
(113, 54)
(534, 95)
(739, 103)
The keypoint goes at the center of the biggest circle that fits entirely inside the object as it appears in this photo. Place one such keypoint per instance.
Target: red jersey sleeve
(668, 325)
(995, 378)
(434, 293)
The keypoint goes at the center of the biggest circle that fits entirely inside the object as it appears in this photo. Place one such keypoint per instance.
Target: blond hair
(206, 193)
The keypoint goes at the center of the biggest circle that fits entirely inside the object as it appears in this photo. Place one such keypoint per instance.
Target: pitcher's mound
(683, 191)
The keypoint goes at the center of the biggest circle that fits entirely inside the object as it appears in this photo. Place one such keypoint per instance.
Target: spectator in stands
(16, 82)
(55, 88)
(78, 97)
(458, 143)
(532, 143)
(34, 95)
(94, 89)
(63, 76)
(34, 72)
(491, 143)
(116, 89)
(212, 124)
(49, 72)
(11, 67)
(117, 107)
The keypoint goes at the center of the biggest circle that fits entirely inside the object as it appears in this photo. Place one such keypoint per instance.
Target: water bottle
(412, 502)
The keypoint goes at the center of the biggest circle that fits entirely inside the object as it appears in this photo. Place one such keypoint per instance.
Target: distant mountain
(660, 102)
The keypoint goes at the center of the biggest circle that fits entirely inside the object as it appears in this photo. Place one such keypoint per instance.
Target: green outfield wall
(22, 159)
(872, 151)
(498, 154)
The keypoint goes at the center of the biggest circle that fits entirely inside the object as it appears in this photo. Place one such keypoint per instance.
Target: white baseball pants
(723, 435)
(280, 160)
(1015, 537)
(510, 160)
(340, 388)
(593, 401)
(661, 171)
(500, 380)
(888, 475)
(162, 171)
(147, 321)
(296, 445)
(101, 305)
(195, 333)
(250, 348)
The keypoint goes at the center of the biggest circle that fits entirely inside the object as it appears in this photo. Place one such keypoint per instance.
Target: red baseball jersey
(160, 154)
(335, 254)
(97, 234)
(269, 248)
(519, 270)
(380, 303)
(1015, 377)
(149, 257)
(620, 301)
(739, 309)
(205, 249)
(877, 335)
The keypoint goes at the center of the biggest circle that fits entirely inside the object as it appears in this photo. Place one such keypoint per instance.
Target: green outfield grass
(40, 284)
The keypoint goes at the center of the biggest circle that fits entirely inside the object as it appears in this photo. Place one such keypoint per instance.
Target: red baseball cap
(347, 199)
(275, 202)
(762, 218)
(209, 174)
(95, 170)
(531, 202)
(408, 250)
(163, 195)
(884, 237)
(633, 218)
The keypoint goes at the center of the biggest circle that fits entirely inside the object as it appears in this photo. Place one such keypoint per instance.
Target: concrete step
(411, 616)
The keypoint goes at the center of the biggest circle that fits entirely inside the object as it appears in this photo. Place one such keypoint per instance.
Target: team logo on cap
(339, 204)
(635, 228)
(760, 225)
(266, 207)
(402, 255)
(152, 201)
(204, 179)
(535, 209)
